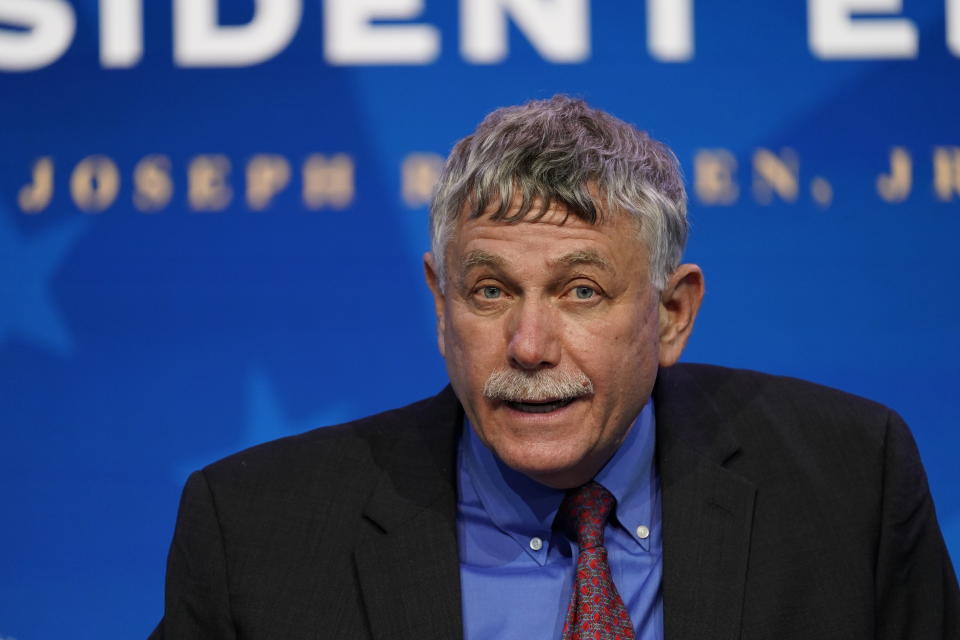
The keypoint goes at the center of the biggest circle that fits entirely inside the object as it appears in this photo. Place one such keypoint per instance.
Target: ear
(433, 281)
(679, 303)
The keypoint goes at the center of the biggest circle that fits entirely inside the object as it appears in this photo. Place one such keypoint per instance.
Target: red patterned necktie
(596, 610)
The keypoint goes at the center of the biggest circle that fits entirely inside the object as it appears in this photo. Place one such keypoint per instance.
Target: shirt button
(536, 543)
(643, 532)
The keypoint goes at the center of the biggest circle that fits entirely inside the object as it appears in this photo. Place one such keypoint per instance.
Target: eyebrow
(584, 257)
(479, 258)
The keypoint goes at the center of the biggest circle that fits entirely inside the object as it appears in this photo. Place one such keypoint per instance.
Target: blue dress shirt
(517, 570)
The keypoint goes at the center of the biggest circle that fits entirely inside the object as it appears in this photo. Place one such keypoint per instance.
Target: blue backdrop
(211, 227)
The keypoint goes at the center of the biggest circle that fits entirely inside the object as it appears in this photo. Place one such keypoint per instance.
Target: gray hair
(563, 152)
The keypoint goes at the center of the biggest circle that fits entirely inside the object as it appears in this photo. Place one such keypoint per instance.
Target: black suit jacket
(789, 511)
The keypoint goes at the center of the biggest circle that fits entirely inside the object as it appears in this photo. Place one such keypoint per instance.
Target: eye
(583, 292)
(490, 292)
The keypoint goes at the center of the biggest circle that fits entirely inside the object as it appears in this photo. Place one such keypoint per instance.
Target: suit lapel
(707, 512)
(406, 553)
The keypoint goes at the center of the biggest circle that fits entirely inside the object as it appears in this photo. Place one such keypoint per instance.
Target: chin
(554, 468)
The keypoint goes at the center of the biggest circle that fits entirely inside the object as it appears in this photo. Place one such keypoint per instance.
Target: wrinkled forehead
(567, 259)
(551, 239)
(548, 216)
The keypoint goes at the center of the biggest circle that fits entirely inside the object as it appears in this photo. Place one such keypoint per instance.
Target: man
(572, 482)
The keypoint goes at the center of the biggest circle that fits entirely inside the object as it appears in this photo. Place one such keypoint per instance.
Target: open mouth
(540, 407)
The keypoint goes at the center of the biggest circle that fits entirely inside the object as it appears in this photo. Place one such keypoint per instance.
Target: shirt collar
(629, 476)
(525, 509)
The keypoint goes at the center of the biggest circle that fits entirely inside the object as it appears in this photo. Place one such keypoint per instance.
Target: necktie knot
(586, 509)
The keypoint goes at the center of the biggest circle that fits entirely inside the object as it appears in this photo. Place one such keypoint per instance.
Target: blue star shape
(265, 421)
(951, 536)
(27, 266)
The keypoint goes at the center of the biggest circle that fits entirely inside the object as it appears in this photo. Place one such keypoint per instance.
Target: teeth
(540, 407)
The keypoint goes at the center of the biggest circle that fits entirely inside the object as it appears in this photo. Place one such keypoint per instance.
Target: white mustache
(511, 385)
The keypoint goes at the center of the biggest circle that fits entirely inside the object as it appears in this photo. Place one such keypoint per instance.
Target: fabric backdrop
(212, 217)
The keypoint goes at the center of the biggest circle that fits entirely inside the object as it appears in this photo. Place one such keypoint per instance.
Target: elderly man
(573, 481)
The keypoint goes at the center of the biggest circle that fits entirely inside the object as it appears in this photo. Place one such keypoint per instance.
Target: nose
(533, 341)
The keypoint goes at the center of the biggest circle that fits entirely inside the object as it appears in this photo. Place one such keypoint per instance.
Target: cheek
(616, 350)
(471, 344)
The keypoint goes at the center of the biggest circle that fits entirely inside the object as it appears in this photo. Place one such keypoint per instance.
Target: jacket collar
(707, 509)
(406, 550)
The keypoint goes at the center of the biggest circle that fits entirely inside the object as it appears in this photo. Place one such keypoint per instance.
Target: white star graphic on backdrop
(266, 421)
(27, 265)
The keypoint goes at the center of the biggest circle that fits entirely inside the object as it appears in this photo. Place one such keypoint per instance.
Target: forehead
(555, 239)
